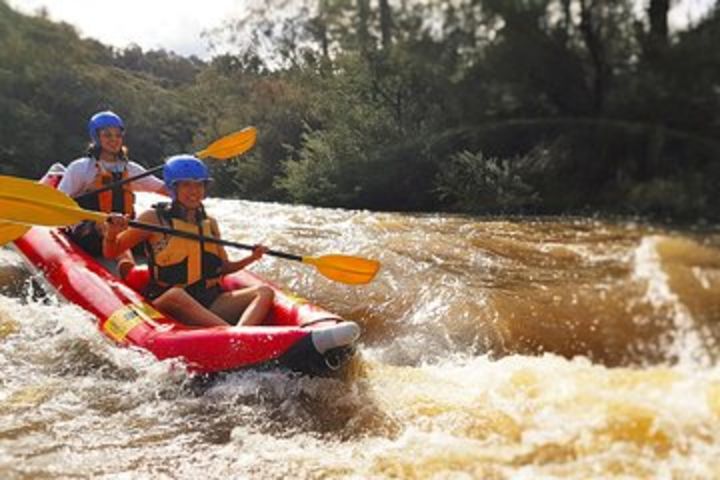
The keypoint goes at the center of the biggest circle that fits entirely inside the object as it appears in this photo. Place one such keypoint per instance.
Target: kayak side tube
(306, 350)
(297, 334)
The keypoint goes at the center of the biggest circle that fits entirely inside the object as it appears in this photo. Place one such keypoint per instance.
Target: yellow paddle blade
(30, 203)
(231, 145)
(22, 188)
(344, 268)
(30, 212)
(11, 231)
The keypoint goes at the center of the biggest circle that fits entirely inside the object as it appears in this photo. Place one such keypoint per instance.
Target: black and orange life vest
(120, 199)
(182, 262)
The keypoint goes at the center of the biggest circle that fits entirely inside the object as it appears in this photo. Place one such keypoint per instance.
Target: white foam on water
(74, 404)
(687, 343)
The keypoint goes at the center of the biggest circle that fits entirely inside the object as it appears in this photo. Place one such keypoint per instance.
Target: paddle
(11, 231)
(227, 147)
(29, 203)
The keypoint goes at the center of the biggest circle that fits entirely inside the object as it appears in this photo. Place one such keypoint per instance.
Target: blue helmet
(102, 120)
(184, 167)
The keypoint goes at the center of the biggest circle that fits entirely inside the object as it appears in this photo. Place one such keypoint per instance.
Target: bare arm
(149, 183)
(119, 238)
(230, 266)
(73, 180)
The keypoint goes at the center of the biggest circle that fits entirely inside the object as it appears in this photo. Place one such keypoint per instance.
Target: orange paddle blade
(345, 268)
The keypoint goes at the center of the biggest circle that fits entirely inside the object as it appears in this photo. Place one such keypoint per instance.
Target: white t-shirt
(80, 176)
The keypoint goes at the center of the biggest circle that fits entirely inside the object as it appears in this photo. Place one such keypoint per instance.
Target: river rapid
(491, 348)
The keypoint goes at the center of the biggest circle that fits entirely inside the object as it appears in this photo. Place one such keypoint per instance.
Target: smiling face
(190, 193)
(111, 139)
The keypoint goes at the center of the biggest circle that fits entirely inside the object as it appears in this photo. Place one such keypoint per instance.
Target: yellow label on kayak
(119, 324)
(147, 310)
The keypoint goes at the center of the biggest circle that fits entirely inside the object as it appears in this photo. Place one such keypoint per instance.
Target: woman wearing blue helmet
(106, 162)
(185, 274)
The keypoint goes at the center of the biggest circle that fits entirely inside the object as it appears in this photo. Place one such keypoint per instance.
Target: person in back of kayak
(106, 162)
(185, 274)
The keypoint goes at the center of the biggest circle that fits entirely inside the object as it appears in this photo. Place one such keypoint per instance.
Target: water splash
(685, 337)
(503, 348)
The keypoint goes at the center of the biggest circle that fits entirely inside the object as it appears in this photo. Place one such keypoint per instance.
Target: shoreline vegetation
(541, 108)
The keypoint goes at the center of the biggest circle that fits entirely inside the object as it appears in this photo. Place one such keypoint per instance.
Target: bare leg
(253, 303)
(177, 303)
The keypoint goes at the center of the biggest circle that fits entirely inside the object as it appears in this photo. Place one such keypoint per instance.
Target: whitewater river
(491, 349)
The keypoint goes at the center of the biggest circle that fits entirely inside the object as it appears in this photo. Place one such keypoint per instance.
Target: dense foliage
(51, 82)
(480, 106)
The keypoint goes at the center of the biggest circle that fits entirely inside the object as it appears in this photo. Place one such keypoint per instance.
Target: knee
(265, 294)
(173, 298)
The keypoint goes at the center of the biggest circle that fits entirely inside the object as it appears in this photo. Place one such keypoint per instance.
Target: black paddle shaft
(195, 236)
(119, 183)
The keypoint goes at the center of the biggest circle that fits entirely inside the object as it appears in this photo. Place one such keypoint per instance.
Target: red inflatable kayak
(296, 334)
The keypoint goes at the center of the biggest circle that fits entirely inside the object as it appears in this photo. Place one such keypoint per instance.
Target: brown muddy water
(504, 348)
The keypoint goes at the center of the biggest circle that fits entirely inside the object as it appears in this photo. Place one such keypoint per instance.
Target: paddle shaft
(24, 203)
(119, 183)
(195, 236)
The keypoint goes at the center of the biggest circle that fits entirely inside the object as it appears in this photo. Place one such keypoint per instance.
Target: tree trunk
(363, 31)
(657, 40)
(658, 13)
(567, 14)
(386, 24)
(590, 22)
(322, 31)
